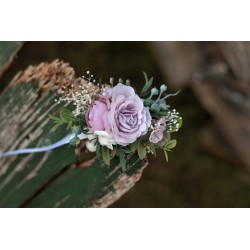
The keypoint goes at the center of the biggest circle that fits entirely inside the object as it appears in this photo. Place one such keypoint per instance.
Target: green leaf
(127, 150)
(170, 144)
(167, 136)
(141, 151)
(113, 152)
(166, 155)
(147, 85)
(179, 122)
(152, 147)
(106, 155)
(64, 114)
(52, 117)
(98, 149)
(122, 159)
(155, 107)
(76, 130)
(74, 141)
(69, 125)
(73, 118)
(133, 146)
(145, 76)
(55, 127)
(169, 95)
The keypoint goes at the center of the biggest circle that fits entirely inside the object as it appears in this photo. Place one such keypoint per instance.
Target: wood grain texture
(58, 178)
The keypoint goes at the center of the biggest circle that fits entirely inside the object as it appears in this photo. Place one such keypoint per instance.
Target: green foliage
(122, 159)
(166, 155)
(76, 129)
(152, 148)
(106, 155)
(133, 146)
(170, 145)
(146, 87)
(64, 115)
(67, 117)
(141, 151)
(74, 141)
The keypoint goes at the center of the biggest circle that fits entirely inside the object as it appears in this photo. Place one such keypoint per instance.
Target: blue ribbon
(65, 140)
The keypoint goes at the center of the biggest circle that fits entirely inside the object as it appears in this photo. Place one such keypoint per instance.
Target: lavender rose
(128, 118)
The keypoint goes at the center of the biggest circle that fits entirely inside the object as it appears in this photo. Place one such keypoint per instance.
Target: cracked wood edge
(123, 184)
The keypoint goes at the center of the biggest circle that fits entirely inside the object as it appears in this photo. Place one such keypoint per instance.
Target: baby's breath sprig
(173, 121)
(81, 94)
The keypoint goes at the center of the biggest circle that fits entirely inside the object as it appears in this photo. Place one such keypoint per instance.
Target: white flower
(91, 146)
(91, 136)
(91, 143)
(105, 139)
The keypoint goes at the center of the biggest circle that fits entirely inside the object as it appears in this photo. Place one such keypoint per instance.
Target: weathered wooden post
(63, 177)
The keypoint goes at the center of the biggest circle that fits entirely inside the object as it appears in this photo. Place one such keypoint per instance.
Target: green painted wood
(84, 187)
(45, 179)
(7, 52)
(24, 122)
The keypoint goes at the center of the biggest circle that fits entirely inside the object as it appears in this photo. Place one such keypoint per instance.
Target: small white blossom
(105, 139)
(91, 146)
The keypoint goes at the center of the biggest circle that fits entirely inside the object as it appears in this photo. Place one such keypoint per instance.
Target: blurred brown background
(210, 165)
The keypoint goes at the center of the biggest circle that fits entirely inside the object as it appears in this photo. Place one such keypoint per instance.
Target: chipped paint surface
(123, 184)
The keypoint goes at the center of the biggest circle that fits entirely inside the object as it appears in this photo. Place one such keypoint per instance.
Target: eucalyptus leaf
(147, 85)
(165, 97)
(155, 107)
(145, 76)
(148, 102)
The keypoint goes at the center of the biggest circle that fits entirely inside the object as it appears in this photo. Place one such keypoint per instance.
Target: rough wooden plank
(8, 51)
(21, 176)
(55, 178)
(96, 186)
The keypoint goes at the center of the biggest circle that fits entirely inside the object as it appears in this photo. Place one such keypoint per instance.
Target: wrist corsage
(115, 121)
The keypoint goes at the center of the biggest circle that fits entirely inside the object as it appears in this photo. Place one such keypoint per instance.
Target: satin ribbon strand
(65, 140)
